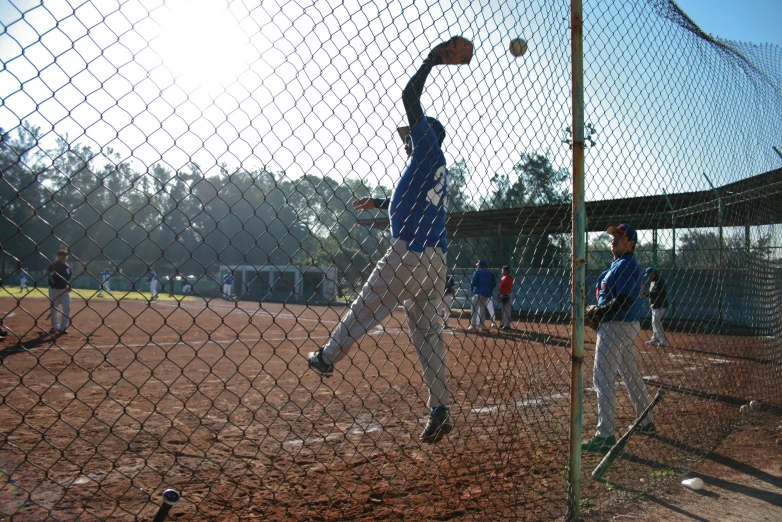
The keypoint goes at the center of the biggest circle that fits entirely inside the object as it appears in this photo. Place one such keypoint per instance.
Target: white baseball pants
(615, 354)
(105, 287)
(153, 288)
(226, 291)
(657, 325)
(490, 308)
(479, 304)
(417, 280)
(60, 298)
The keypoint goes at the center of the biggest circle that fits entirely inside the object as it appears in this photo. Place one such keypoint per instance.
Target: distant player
(228, 281)
(617, 311)
(23, 277)
(186, 287)
(105, 278)
(152, 280)
(482, 287)
(413, 270)
(504, 293)
(448, 296)
(60, 294)
(658, 300)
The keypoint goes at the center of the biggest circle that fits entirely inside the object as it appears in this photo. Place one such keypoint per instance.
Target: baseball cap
(481, 262)
(624, 230)
(649, 271)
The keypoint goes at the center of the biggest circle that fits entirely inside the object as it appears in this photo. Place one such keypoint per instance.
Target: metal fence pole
(578, 260)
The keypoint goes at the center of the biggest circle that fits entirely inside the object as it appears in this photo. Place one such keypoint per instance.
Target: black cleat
(439, 424)
(319, 364)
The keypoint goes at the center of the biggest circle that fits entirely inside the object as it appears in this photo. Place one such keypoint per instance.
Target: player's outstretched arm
(371, 204)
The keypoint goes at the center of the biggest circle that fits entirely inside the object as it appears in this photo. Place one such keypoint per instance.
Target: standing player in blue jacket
(228, 281)
(482, 286)
(618, 310)
(413, 270)
(152, 280)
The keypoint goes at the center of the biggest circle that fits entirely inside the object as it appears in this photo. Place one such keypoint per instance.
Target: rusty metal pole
(579, 263)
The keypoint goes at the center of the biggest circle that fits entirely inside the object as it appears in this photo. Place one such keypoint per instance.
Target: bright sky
(315, 87)
(756, 21)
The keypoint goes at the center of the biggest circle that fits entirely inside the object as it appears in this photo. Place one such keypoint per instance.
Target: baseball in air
(517, 47)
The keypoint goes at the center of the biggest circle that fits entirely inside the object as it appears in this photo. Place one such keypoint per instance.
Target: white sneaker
(652, 342)
(494, 325)
(471, 328)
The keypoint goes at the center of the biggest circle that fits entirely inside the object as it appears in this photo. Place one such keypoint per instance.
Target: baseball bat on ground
(619, 447)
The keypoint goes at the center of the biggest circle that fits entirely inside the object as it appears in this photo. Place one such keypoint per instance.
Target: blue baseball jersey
(417, 208)
(623, 277)
(152, 277)
(228, 279)
(481, 283)
(105, 276)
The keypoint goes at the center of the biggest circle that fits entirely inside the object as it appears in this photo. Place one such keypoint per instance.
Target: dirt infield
(213, 398)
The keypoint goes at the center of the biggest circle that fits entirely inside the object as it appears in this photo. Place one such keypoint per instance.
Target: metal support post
(578, 262)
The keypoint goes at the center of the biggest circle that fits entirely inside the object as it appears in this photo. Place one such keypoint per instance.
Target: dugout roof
(753, 201)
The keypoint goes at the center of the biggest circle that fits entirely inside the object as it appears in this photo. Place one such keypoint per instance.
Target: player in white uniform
(105, 278)
(618, 310)
(413, 270)
(152, 280)
(23, 277)
(228, 281)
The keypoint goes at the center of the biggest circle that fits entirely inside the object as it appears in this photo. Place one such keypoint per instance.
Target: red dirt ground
(214, 399)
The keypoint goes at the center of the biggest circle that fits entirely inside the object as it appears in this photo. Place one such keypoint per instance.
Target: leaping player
(414, 268)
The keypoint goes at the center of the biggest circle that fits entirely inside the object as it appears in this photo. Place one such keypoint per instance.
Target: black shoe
(439, 424)
(319, 364)
(649, 429)
(63, 332)
(598, 444)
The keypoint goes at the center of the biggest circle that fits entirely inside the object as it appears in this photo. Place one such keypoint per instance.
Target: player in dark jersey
(60, 294)
(413, 270)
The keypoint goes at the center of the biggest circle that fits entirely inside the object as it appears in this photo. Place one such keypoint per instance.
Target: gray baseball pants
(615, 354)
(417, 280)
(60, 298)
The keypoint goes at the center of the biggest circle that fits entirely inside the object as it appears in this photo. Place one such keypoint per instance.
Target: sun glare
(201, 44)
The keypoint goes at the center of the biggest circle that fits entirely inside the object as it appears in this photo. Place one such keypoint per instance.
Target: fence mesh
(206, 167)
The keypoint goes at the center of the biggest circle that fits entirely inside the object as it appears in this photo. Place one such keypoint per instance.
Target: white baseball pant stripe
(615, 354)
(657, 325)
(60, 298)
(417, 280)
(479, 303)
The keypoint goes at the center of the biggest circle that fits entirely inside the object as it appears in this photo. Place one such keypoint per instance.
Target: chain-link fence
(257, 307)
